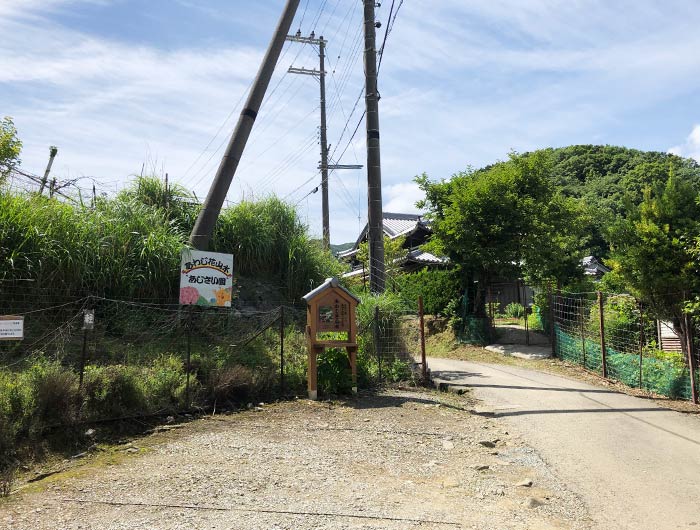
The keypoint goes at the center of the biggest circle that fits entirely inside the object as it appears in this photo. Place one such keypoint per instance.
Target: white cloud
(461, 86)
(691, 147)
(402, 197)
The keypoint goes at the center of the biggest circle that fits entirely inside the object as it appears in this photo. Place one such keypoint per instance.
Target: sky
(125, 86)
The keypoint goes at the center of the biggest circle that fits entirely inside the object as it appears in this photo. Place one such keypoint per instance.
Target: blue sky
(116, 84)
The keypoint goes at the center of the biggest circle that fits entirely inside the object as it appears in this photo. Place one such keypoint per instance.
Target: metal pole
(377, 347)
(552, 338)
(583, 332)
(602, 334)
(375, 232)
(691, 361)
(83, 355)
(204, 226)
(641, 341)
(282, 351)
(53, 151)
(189, 355)
(422, 339)
(527, 327)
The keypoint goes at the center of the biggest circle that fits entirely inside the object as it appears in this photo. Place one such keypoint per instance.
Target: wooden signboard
(330, 322)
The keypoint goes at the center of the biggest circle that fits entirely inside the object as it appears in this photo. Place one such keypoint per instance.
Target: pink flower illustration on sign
(189, 295)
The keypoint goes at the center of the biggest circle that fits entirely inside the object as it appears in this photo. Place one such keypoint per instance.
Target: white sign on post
(11, 327)
(206, 278)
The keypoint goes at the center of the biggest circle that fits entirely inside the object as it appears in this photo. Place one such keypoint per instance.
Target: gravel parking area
(399, 459)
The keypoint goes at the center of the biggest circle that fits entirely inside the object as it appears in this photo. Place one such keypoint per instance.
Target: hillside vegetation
(129, 246)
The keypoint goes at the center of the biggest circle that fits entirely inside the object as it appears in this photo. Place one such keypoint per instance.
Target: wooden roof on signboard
(330, 283)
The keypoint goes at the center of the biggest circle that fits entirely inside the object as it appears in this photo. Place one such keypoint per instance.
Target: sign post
(330, 322)
(11, 327)
(206, 278)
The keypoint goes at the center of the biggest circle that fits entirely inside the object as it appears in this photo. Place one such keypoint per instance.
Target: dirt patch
(400, 459)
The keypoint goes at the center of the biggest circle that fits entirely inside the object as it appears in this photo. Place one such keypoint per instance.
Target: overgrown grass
(129, 246)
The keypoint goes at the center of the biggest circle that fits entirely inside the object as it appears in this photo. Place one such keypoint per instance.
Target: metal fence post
(641, 341)
(282, 351)
(552, 337)
(377, 347)
(83, 355)
(188, 328)
(691, 361)
(602, 334)
(583, 330)
(422, 339)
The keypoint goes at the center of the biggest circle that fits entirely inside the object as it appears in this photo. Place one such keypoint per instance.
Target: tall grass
(129, 246)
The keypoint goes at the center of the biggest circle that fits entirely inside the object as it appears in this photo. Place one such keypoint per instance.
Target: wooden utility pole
(53, 151)
(375, 232)
(204, 226)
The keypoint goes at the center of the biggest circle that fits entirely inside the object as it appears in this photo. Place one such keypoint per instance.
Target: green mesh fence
(475, 330)
(667, 377)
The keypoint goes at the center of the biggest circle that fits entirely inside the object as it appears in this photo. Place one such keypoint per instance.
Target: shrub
(514, 310)
(114, 391)
(165, 383)
(55, 397)
(437, 287)
(334, 374)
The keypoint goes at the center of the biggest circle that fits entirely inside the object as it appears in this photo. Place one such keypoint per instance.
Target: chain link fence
(612, 335)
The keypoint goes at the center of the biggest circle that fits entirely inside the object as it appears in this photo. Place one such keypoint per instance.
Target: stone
(447, 445)
(487, 443)
(527, 483)
(533, 502)
(480, 467)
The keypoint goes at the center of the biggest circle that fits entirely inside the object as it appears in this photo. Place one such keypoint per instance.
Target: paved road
(636, 465)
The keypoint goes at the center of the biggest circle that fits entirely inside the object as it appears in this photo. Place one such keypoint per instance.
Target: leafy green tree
(10, 147)
(653, 249)
(505, 221)
(394, 254)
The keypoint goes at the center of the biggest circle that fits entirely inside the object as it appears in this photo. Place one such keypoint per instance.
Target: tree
(653, 249)
(10, 147)
(394, 254)
(506, 220)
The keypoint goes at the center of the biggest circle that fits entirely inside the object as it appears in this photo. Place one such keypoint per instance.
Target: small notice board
(11, 327)
(206, 278)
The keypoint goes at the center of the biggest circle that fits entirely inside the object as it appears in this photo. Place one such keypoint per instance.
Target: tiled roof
(420, 256)
(397, 224)
(593, 267)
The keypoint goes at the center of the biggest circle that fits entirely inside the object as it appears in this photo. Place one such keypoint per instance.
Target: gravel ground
(401, 459)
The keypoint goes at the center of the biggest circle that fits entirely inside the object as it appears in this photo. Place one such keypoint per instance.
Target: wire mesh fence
(612, 335)
(138, 357)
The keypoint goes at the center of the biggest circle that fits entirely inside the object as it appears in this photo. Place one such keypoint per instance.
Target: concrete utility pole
(53, 151)
(321, 74)
(204, 226)
(324, 166)
(375, 233)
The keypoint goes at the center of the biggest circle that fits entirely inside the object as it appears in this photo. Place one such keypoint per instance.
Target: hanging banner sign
(11, 327)
(206, 278)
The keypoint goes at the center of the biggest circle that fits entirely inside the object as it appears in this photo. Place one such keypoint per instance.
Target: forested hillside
(611, 180)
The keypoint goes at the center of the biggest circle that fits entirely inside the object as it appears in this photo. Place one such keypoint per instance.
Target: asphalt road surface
(636, 465)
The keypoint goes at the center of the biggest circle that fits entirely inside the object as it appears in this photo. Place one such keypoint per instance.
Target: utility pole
(53, 151)
(375, 232)
(321, 75)
(204, 226)
(324, 166)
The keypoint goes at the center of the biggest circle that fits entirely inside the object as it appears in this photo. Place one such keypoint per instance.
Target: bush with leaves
(436, 286)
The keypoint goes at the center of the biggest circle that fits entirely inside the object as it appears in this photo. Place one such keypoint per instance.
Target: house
(593, 267)
(416, 232)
